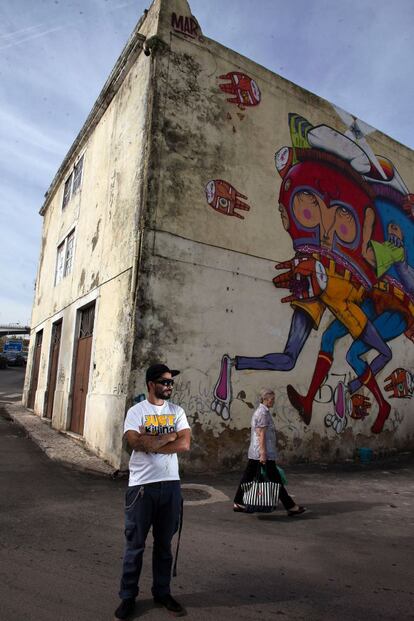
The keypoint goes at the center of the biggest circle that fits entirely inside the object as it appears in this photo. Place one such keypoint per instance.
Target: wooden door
(35, 369)
(82, 368)
(53, 366)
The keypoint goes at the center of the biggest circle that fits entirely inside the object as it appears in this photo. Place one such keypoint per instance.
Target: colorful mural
(342, 407)
(400, 383)
(222, 391)
(225, 199)
(244, 90)
(350, 217)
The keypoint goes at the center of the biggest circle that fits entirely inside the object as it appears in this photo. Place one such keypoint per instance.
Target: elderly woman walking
(262, 451)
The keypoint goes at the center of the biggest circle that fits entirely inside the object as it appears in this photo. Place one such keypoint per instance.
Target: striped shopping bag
(260, 495)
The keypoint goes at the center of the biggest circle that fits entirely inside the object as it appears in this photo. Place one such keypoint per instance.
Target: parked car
(14, 358)
(21, 359)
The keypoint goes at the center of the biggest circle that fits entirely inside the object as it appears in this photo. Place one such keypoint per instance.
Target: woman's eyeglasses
(165, 382)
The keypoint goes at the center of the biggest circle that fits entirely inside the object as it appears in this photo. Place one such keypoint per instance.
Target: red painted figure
(243, 88)
(224, 198)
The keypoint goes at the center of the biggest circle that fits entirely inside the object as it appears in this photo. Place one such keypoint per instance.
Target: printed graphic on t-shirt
(157, 424)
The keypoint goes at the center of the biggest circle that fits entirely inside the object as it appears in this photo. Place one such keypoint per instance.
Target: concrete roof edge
(128, 55)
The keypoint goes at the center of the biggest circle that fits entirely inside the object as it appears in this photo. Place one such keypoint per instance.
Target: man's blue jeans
(157, 505)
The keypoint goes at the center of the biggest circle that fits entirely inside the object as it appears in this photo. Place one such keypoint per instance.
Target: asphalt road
(350, 557)
(11, 384)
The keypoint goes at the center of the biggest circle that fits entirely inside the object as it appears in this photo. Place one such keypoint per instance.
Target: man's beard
(159, 393)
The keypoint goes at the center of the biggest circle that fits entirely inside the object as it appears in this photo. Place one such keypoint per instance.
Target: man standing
(156, 430)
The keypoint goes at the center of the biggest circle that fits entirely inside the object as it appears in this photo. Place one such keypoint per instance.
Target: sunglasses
(165, 382)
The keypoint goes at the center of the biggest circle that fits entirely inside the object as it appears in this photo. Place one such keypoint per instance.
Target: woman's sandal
(239, 508)
(298, 511)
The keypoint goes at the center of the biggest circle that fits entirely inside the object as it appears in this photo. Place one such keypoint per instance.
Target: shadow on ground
(321, 509)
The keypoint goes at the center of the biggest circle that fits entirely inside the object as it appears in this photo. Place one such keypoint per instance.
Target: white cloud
(27, 133)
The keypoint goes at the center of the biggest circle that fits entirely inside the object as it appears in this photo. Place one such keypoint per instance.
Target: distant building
(161, 232)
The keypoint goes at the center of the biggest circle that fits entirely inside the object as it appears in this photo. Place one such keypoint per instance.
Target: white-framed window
(73, 182)
(64, 257)
(60, 260)
(69, 253)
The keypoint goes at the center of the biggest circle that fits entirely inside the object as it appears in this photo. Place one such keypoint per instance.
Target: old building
(196, 172)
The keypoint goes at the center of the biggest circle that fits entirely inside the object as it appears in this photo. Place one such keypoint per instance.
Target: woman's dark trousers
(252, 469)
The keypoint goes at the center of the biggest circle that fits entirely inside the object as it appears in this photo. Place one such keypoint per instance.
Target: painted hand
(243, 88)
(400, 383)
(306, 278)
(360, 406)
(225, 199)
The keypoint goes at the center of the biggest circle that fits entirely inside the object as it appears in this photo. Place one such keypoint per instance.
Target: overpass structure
(13, 328)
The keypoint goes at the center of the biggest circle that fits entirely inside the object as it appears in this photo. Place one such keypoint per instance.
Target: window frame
(69, 252)
(64, 257)
(60, 262)
(67, 190)
(77, 175)
(73, 182)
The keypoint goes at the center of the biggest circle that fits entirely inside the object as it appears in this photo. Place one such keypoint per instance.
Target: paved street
(61, 541)
(11, 384)
(351, 557)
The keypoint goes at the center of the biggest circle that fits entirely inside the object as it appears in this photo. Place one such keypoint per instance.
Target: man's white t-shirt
(157, 419)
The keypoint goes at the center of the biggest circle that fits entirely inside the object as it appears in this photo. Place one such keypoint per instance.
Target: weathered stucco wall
(177, 232)
(215, 233)
(105, 213)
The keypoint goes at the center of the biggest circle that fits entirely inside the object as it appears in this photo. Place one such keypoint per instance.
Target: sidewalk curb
(56, 445)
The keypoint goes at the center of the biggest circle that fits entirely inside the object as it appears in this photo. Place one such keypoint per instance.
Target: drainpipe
(149, 46)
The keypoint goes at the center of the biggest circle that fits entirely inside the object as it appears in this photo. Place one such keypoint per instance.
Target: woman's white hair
(265, 392)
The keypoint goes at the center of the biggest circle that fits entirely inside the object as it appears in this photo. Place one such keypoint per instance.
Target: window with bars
(73, 182)
(87, 321)
(64, 258)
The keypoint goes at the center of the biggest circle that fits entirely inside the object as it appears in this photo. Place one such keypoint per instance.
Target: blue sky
(55, 56)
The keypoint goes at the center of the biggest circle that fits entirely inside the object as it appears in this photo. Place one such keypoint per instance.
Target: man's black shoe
(170, 604)
(125, 608)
